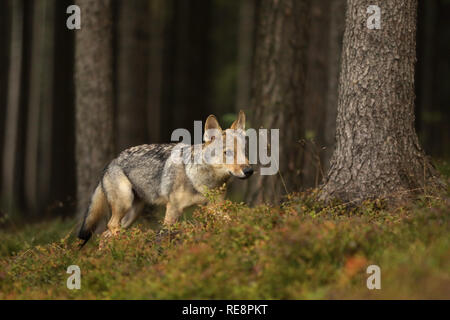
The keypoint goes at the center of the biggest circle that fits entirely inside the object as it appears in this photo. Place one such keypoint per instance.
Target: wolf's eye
(228, 153)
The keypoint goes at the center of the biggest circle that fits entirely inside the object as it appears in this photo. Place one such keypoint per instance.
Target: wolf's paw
(106, 237)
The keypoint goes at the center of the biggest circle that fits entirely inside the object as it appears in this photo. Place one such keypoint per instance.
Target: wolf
(166, 174)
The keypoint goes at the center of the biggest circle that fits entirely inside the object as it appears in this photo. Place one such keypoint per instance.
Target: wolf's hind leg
(119, 193)
(132, 214)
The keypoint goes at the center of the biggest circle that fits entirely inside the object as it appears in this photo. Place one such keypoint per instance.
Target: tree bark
(158, 29)
(63, 164)
(187, 68)
(245, 52)
(10, 146)
(378, 153)
(277, 90)
(315, 93)
(5, 43)
(132, 73)
(39, 122)
(336, 34)
(94, 96)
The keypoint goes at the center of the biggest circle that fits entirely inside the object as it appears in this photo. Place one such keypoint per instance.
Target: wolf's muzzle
(247, 172)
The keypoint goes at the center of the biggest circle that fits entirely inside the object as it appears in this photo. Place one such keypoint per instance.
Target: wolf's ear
(239, 123)
(212, 128)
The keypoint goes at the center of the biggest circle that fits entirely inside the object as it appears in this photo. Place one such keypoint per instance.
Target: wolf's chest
(203, 178)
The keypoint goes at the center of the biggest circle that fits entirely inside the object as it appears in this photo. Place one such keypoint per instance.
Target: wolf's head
(224, 150)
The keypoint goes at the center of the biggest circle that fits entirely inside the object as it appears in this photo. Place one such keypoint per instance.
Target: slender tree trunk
(47, 109)
(245, 52)
(427, 105)
(245, 44)
(10, 145)
(132, 73)
(38, 148)
(158, 14)
(5, 41)
(442, 72)
(188, 65)
(94, 95)
(63, 165)
(315, 92)
(33, 121)
(377, 152)
(278, 89)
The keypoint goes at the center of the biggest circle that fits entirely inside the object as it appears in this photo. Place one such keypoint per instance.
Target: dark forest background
(173, 62)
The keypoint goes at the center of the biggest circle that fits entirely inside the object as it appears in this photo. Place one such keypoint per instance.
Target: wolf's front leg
(172, 214)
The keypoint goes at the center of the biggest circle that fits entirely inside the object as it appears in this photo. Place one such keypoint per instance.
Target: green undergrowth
(301, 249)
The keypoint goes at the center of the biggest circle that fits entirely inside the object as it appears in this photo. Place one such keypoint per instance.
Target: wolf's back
(145, 167)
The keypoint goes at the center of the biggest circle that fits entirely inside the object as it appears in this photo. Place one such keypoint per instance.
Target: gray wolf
(149, 174)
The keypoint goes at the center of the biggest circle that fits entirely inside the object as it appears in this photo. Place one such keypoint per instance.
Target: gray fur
(150, 174)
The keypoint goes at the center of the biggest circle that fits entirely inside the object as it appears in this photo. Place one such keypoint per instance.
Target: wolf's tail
(97, 209)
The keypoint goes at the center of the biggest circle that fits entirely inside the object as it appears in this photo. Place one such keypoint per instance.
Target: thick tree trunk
(94, 95)
(377, 152)
(278, 87)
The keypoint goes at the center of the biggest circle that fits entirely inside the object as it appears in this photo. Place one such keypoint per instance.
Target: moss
(226, 250)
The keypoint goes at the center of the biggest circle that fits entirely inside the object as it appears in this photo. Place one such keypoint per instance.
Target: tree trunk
(47, 103)
(377, 152)
(187, 66)
(245, 47)
(245, 52)
(158, 26)
(63, 165)
(315, 93)
(278, 88)
(39, 122)
(441, 79)
(132, 73)
(94, 96)
(336, 33)
(11, 137)
(431, 107)
(5, 41)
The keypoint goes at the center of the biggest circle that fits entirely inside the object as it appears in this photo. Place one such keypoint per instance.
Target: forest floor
(226, 250)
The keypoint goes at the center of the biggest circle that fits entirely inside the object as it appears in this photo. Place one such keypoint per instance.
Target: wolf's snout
(247, 171)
